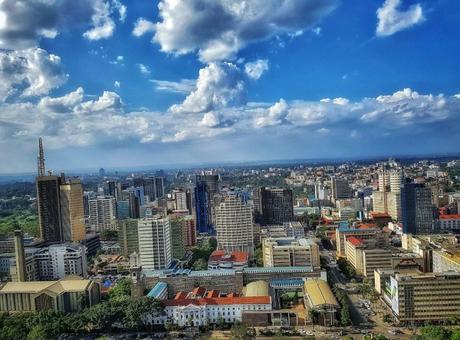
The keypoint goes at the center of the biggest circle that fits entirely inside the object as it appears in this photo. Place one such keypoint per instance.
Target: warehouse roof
(319, 293)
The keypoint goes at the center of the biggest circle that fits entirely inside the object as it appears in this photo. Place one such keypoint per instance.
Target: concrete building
(128, 236)
(416, 298)
(49, 208)
(343, 232)
(155, 249)
(234, 224)
(273, 206)
(67, 295)
(102, 213)
(72, 211)
(288, 252)
(366, 258)
(220, 259)
(340, 189)
(448, 223)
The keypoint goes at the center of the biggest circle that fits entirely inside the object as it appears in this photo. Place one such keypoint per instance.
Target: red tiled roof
(234, 256)
(212, 294)
(450, 217)
(198, 291)
(354, 241)
(375, 214)
(241, 300)
(180, 296)
(367, 226)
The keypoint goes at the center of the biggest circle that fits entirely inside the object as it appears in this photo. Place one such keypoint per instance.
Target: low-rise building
(446, 260)
(66, 295)
(417, 298)
(220, 259)
(320, 299)
(288, 251)
(381, 238)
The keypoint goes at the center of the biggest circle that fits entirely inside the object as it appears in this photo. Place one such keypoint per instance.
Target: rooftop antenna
(41, 158)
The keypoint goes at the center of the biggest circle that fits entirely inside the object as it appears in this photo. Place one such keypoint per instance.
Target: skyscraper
(72, 211)
(234, 224)
(416, 209)
(159, 187)
(155, 250)
(388, 198)
(149, 188)
(205, 189)
(102, 213)
(49, 209)
(340, 188)
(128, 236)
(273, 206)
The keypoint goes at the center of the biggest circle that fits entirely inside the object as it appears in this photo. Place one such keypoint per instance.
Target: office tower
(111, 189)
(48, 206)
(202, 207)
(183, 233)
(128, 236)
(416, 209)
(189, 197)
(388, 198)
(273, 206)
(180, 198)
(340, 188)
(122, 209)
(72, 211)
(102, 213)
(155, 251)
(19, 256)
(234, 224)
(134, 205)
(101, 172)
(159, 187)
(139, 192)
(149, 188)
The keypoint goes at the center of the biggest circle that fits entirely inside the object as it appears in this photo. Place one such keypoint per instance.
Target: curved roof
(319, 293)
(257, 288)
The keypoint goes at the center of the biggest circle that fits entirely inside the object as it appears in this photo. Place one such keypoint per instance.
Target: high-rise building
(388, 198)
(128, 236)
(159, 187)
(155, 250)
(416, 209)
(49, 208)
(122, 209)
(149, 188)
(273, 206)
(72, 211)
(203, 207)
(102, 214)
(183, 233)
(340, 188)
(234, 224)
(180, 198)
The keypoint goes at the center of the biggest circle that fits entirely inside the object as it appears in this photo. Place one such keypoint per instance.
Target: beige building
(419, 298)
(72, 211)
(289, 252)
(342, 233)
(388, 198)
(365, 258)
(67, 295)
(155, 248)
(234, 224)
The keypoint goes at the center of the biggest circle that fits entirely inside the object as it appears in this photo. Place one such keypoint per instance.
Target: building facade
(155, 249)
(290, 252)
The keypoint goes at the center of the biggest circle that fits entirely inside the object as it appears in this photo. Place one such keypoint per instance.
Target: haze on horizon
(112, 83)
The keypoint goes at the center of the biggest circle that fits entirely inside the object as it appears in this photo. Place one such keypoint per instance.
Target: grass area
(24, 220)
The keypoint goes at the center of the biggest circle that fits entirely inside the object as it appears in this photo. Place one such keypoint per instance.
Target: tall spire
(41, 158)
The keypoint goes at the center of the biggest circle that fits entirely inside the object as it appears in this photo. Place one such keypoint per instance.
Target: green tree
(121, 289)
(136, 309)
(240, 331)
(258, 256)
(38, 332)
(200, 264)
(434, 333)
(455, 334)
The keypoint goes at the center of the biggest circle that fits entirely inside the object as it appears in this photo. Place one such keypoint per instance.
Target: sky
(117, 83)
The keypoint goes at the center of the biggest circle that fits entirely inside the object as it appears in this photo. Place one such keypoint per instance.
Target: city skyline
(113, 83)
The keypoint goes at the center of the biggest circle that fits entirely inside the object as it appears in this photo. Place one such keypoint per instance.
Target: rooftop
(228, 300)
(319, 293)
(157, 289)
(68, 284)
(234, 256)
(354, 241)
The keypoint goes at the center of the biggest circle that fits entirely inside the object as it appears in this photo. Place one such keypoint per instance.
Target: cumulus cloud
(77, 119)
(30, 72)
(183, 86)
(391, 19)
(184, 24)
(24, 22)
(255, 69)
(143, 26)
(219, 85)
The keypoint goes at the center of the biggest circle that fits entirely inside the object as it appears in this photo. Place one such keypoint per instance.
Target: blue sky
(113, 83)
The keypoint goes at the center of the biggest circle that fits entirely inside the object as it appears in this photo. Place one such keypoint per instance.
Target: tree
(239, 331)
(121, 289)
(258, 256)
(434, 333)
(137, 309)
(38, 332)
(456, 334)
(200, 264)
(212, 243)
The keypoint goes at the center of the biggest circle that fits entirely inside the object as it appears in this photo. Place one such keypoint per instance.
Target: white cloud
(273, 116)
(145, 70)
(317, 30)
(24, 22)
(117, 84)
(143, 26)
(185, 24)
(183, 86)
(30, 72)
(219, 85)
(256, 69)
(391, 19)
(323, 130)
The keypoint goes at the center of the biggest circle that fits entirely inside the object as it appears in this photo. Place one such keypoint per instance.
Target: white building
(102, 213)
(181, 200)
(155, 250)
(234, 224)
